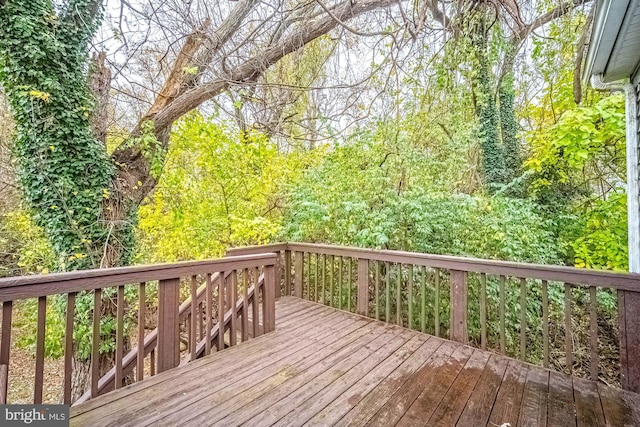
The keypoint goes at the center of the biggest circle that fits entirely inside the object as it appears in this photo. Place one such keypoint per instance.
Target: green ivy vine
(64, 172)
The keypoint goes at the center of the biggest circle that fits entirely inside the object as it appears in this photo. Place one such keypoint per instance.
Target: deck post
(363, 287)
(168, 326)
(287, 272)
(269, 298)
(629, 311)
(459, 288)
(297, 274)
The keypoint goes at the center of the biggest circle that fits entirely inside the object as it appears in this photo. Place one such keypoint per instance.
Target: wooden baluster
(152, 362)
(377, 287)
(208, 316)
(233, 303)
(119, 336)
(340, 281)
(387, 308)
(593, 338)
(308, 254)
(423, 298)
(68, 347)
(503, 339)
(523, 319)
(221, 310)
(568, 339)
(278, 276)
(399, 296)
(363, 287)
(436, 309)
(40, 334)
(193, 327)
(410, 296)
(324, 279)
(201, 321)
(459, 293)
(95, 342)
(245, 304)
(255, 306)
(315, 278)
(269, 316)
(331, 284)
(287, 275)
(545, 324)
(5, 350)
(349, 282)
(263, 289)
(141, 322)
(483, 310)
(298, 273)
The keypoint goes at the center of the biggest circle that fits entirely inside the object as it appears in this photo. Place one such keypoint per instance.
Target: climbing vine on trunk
(64, 171)
(493, 164)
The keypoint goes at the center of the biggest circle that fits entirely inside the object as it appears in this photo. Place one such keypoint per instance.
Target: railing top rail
(12, 288)
(579, 276)
(258, 249)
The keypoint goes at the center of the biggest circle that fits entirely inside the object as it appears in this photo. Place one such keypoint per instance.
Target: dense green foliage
(362, 196)
(220, 188)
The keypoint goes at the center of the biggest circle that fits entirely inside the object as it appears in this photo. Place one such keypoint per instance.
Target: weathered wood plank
(534, 400)
(268, 409)
(352, 396)
(367, 406)
(197, 402)
(587, 400)
(509, 399)
(402, 400)
(455, 400)
(560, 407)
(621, 408)
(255, 354)
(433, 393)
(302, 412)
(481, 401)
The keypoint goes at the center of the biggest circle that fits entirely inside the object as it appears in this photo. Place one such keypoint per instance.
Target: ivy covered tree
(63, 170)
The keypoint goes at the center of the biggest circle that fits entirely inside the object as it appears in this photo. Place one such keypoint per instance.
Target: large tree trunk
(492, 151)
(508, 122)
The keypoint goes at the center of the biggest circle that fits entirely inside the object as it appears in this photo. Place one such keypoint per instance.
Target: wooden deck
(323, 367)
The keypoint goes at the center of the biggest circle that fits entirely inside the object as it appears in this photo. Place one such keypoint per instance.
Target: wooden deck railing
(225, 300)
(579, 321)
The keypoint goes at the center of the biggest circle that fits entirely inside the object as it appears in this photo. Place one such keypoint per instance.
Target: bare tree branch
(254, 67)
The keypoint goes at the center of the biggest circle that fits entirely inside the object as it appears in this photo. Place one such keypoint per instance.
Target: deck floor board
(324, 366)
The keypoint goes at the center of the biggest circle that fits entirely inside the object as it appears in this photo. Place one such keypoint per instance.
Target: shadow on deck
(323, 366)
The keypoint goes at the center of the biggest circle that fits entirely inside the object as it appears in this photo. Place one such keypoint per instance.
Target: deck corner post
(459, 287)
(363, 287)
(287, 272)
(168, 324)
(269, 298)
(298, 273)
(628, 313)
